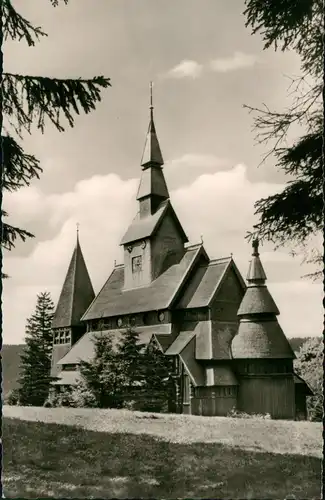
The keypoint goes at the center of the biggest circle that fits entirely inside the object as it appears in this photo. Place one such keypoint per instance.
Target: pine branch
(55, 3)
(16, 27)
(19, 168)
(11, 233)
(27, 99)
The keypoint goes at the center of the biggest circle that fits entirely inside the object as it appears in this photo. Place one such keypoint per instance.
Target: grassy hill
(11, 359)
(120, 454)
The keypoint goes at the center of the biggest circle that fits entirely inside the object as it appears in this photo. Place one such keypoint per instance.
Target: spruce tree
(157, 381)
(103, 375)
(131, 360)
(34, 381)
(29, 101)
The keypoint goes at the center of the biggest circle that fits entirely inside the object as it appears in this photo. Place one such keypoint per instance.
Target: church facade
(228, 348)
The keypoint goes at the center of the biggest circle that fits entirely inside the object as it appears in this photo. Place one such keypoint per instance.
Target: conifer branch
(28, 99)
(16, 27)
(19, 168)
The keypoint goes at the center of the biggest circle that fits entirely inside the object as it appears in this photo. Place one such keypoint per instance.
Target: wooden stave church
(228, 348)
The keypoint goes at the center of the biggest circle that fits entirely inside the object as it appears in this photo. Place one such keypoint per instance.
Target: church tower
(76, 296)
(155, 239)
(262, 353)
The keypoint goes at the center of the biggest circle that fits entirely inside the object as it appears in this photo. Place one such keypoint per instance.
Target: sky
(205, 66)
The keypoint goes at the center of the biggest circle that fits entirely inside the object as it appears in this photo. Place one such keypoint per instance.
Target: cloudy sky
(205, 65)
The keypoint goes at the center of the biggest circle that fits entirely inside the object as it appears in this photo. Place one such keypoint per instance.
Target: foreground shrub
(12, 398)
(309, 365)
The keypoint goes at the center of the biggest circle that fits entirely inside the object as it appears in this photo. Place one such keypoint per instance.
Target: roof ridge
(194, 246)
(219, 260)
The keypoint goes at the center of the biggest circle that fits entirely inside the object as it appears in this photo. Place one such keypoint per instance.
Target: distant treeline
(11, 360)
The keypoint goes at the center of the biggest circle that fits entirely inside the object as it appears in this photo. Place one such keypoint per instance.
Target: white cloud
(186, 69)
(218, 205)
(193, 69)
(237, 61)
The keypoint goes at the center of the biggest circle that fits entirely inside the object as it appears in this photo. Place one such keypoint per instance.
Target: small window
(133, 321)
(137, 264)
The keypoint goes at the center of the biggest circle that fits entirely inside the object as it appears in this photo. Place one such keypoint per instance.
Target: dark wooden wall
(208, 401)
(274, 395)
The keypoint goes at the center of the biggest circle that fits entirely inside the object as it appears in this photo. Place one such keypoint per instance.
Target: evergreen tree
(309, 365)
(296, 213)
(103, 375)
(131, 360)
(34, 100)
(34, 381)
(157, 381)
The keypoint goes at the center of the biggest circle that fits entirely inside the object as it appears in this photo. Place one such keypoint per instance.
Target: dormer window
(137, 264)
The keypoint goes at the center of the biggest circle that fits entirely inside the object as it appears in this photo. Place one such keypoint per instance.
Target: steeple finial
(151, 101)
(255, 245)
(77, 226)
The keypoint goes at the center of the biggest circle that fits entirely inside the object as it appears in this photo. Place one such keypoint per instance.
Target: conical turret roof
(152, 153)
(259, 333)
(77, 292)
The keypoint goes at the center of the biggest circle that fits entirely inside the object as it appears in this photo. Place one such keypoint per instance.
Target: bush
(309, 365)
(12, 398)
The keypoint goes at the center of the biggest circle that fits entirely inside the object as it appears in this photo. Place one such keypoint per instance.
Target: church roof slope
(152, 182)
(112, 300)
(77, 292)
(257, 300)
(203, 283)
(260, 339)
(145, 227)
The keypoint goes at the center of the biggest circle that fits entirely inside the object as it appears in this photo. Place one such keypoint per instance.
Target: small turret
(259, 333)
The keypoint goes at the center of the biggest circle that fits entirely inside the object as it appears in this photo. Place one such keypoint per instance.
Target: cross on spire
(151, 101)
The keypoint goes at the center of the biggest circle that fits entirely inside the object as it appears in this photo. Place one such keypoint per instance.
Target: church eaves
(77, 292)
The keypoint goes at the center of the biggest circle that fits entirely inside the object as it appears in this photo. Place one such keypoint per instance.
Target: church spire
(153, 188)
(152, 153)
(77, 292)
(256, 274)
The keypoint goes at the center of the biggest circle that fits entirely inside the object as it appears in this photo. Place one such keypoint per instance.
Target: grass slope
(48, 460)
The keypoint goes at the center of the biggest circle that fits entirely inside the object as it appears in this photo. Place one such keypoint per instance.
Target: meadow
(78, 453)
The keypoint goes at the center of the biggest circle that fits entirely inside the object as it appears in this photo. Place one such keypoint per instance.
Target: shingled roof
(259, 334)
(152, 153)
(147, 226)
(77, 292)
(205, 283)
(112, 300)
(152, 183)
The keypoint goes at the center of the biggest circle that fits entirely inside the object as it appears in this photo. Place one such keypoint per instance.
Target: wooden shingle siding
(273, 395)
(167, 246)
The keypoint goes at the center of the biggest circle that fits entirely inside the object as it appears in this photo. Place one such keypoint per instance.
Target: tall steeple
(259, 333)
(77, 292)
(152, 189)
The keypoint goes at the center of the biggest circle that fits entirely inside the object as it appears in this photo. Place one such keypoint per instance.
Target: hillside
(11, 359)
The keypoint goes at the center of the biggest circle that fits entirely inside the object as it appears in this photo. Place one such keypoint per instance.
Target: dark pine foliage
(296, 213)
(157, 381)
(28, 101)
(131, 358)
(103, 376)
(34, 380)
